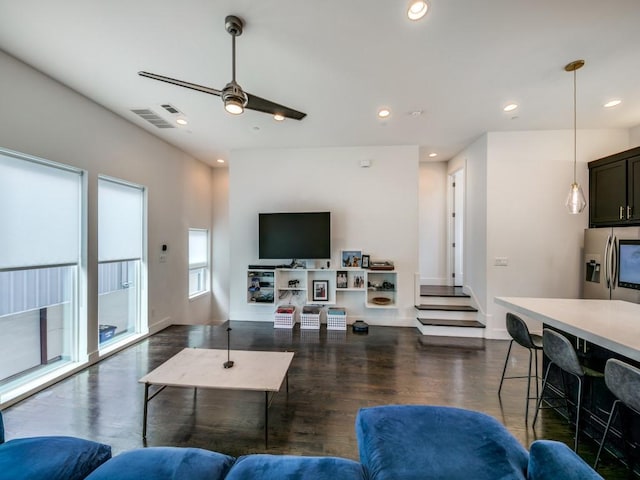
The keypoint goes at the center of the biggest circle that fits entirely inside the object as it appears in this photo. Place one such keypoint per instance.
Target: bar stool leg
(604, 435)
(537, 376)
(504, 370)
(526, 412)
(578, 408)
(539, 402)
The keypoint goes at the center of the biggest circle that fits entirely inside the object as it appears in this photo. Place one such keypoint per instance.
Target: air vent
(170, 108)
(152, 118)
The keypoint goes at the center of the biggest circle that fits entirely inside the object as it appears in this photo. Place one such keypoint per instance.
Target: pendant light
(575, 200)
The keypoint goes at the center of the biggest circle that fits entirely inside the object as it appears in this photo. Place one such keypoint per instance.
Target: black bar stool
(561, 353)
(519, 332)
(623, 380)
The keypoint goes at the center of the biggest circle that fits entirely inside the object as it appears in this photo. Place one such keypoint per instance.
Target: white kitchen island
(612, 324)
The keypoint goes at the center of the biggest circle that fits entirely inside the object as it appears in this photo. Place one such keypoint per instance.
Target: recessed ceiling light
(220, 160)
(415, 113)
(384, 113)
(612, 103)
(181, 121)
(278, 117)
(417, 9)
(433, 154)
(510, 107)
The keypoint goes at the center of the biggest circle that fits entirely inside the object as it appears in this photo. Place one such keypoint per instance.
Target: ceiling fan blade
(266, 106)
(181, 83)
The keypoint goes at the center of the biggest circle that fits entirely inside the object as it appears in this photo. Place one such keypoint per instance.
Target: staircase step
(441, 291)
(446, 308)
(445, 322)
(446, 342)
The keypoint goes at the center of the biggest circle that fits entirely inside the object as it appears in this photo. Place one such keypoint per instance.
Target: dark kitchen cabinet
(614, 190)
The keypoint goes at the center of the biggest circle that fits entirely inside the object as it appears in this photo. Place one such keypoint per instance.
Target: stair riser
(450, 331)
(435, 314)
(445, 300)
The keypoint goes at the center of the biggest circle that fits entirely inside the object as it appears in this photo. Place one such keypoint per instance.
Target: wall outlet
(501, 262)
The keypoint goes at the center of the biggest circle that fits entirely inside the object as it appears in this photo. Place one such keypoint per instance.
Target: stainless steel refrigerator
(612, 263)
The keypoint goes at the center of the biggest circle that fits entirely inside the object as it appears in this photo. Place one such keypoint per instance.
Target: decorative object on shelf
(358, 281)
(381, 301)
(365, 261)
(341, 279)
(351, 258)
(293, 283)
(321, 290)
(575, 200)
(381, 265)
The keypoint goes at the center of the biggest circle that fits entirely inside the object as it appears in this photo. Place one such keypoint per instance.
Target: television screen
(629, 264)
(304, 235)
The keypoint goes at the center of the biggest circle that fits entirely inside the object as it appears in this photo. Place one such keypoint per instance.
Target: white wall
(220, 243)
(432, 231)
(528, 178)
(374, 209)
(634, 137)
(474, 160)
(43, 118)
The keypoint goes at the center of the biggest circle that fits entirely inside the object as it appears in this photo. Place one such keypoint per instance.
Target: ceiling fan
(234, 97)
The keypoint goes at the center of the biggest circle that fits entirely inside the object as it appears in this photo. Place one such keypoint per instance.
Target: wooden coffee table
(203, 368)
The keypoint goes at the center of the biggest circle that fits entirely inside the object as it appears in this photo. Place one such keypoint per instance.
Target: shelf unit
(381, 289)
(295, 286)
(261, 287)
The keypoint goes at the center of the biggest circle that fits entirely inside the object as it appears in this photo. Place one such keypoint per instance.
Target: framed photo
(342, 279)
(351, 259)
(365, 261)
(320, 290)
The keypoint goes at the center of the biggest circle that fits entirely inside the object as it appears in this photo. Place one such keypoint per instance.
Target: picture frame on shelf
(365, 261)
(351, 259)
(342, 280)
(320, 290)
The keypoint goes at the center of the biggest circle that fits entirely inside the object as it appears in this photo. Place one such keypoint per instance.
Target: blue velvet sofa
(399, 442)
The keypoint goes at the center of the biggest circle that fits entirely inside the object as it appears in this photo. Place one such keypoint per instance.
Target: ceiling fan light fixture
(233, 107)
(234, 98)
(417, 9)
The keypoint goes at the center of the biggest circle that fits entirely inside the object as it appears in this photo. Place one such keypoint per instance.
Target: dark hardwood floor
(332, 375)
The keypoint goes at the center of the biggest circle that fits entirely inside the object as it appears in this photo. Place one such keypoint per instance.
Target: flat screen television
(629, 264)
(299, 235)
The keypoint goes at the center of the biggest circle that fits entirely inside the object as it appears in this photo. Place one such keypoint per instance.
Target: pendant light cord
(575, 131)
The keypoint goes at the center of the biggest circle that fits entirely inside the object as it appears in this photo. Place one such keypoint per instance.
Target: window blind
(40, 212)
(198, 246)
(120, 220)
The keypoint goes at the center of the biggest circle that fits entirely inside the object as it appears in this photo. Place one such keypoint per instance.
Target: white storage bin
(310, 321)
(284, 319)
(336, 319)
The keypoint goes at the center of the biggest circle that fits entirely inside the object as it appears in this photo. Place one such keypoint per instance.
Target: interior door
(457, 227)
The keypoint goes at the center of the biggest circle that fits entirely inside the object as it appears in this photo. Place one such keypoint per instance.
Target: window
(198, 262)
(121, 233)
(40, 259)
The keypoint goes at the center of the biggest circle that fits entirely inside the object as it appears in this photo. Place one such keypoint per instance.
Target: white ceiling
(340, 61)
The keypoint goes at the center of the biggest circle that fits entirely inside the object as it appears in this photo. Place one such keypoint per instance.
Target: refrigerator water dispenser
(592, 268)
